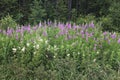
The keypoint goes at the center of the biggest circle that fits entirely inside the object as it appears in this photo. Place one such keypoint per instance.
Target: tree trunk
(69, 9)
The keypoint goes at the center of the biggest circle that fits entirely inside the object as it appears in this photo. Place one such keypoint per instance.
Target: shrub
(106, 23)
(7, 22)
(85, 19)
(115, 15)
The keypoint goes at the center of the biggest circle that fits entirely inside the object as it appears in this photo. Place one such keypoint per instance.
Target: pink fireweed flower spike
(119, 41)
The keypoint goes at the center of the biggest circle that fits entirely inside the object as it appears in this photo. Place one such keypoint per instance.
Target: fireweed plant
(47, 42)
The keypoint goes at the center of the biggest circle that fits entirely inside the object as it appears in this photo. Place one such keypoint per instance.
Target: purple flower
(68, 25)
(44, 33)
(0, 30)
(74, 26)
(61, 33)
(28, 28)
(9, 32)
(69, 37)
(83, 36)
(40, 24)
(82, 32)
(61, 26)
(104, 33)
(113, 36)
(86, 38)
(16, 36)
(18, 30)
(108, 41)
(91, 24)
(94, 48)
(119, 40)
(35, 28)
(95, 45)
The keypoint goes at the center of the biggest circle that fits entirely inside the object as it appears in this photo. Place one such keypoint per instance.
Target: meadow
(59, 51)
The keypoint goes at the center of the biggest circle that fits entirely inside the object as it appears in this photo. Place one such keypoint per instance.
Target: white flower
(68, 55)
(14, 50)
(97, 52)
(34, 53)
(54, 56)
(28, 44)
(78, 53)
(40, 39)
(62, 46)
(48, 48)
(55, 46)
(94, 60)
(23, 49)
(37, 46)
(46, 42)
(18, 47)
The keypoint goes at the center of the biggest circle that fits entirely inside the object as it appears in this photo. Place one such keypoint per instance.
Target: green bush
(85, 19)
(7, 22)
(47, 53)
(106, 23)
(37, 12)
(115, 15)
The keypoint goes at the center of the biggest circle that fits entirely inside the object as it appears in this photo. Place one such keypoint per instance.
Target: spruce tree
(37, 12)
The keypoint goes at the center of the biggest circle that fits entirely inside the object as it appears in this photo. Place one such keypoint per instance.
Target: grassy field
(59, 51)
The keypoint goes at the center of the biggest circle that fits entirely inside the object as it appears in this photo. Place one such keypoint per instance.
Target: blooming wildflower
(18, 30)
(34, 53)
(94, 60)
(35, 28)
(37, 46)
(82, 35)
(68, 55)
(16, 36)
(104, 33)
(113, 36)
(55, 46)
(78, 53)
(28, 28)
(28, 44)
(108, 41)
(46, 42)
(86, 39)
(40, 39)
(95, 48)
(9, 32)
(54, 56)
(74, 27)
(18, 47)
(91, 24)
(97, 52)
(0, 30)
(40, 24)
(61, 33)
(14, 50)
(68, 25)
(23, 49)
(61, 26)
(95, 45)
(119, 40)
(69, 37)
(44, 33)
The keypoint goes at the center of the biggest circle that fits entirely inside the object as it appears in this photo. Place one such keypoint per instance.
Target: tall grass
(59, 51)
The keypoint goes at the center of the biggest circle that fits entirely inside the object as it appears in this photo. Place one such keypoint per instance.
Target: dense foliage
(34, 11)
(59, 40)
(58, 51)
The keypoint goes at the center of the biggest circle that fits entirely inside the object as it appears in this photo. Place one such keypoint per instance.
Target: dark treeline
(32, 11)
